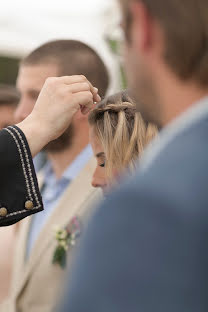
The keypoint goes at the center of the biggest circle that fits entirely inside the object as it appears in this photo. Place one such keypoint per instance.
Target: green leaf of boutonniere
(59, 256)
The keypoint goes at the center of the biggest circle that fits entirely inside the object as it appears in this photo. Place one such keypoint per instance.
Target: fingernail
(96, 89)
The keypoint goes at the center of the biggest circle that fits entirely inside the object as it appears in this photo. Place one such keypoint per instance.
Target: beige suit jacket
(37, 283)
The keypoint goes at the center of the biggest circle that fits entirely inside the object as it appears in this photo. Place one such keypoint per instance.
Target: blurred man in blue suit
(146, 248)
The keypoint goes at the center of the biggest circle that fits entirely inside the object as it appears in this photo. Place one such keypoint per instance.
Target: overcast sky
(25, 24)
(78, 6)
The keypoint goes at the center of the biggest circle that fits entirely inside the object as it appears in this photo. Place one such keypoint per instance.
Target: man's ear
(80, 116)
(142, 25)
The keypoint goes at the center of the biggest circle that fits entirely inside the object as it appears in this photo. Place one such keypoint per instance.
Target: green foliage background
(8, 70)
(115, 47)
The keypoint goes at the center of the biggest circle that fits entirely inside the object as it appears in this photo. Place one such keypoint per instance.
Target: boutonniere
(66, 238)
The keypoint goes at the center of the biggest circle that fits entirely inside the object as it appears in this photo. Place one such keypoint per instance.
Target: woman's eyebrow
(100, 154)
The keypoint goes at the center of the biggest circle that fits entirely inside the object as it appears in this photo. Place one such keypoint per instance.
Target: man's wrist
(35, 133)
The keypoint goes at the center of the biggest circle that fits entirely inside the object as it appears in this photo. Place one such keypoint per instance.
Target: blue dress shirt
(39, 161)
(51, 192)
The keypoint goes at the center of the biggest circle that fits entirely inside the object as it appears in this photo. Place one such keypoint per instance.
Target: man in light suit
(59, 100)
(64, 182)
(146, 248)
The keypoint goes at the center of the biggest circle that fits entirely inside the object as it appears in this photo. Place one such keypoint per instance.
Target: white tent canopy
(25, 25)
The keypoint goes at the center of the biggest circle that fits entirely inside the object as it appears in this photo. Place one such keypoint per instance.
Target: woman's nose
(97, 178)
(94, 181)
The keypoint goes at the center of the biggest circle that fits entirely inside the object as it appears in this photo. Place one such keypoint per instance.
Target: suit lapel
(73, 199)
(23, 234)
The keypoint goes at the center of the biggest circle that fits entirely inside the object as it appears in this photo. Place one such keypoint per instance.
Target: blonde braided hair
(121, 130)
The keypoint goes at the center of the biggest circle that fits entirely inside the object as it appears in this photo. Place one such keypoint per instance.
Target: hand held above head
(59, 100)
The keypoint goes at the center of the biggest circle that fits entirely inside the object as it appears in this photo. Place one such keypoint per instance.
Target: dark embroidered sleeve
(19, 192)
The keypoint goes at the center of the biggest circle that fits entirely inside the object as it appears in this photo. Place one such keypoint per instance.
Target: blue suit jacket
(146, 249)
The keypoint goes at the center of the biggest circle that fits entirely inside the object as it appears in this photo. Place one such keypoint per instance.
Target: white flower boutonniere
(65, 238)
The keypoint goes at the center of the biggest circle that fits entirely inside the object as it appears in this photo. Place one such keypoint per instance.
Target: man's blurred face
(138, 70)
(6, 115)
(30, 81)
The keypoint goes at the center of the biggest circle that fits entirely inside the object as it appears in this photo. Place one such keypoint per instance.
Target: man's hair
(8, 95)
(72, 58)
(185, 27)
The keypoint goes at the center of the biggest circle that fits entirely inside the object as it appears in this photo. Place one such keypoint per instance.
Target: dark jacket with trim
(19, 192)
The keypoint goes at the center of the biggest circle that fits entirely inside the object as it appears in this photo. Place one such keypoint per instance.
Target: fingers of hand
(95, 94)
(74, 89)
(85, 100)
(72, 79)
(76, 79)
(78, 87)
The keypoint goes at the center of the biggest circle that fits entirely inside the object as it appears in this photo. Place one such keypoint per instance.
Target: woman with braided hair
(118, 135)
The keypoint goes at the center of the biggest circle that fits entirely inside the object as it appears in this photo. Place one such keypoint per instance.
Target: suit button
(29, 205)
(3, 212)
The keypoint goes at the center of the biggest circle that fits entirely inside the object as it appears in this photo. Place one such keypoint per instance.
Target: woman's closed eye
(102, 165)
(101, 159)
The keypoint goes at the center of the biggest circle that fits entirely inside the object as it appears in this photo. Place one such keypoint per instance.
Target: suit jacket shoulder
(19, 192)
